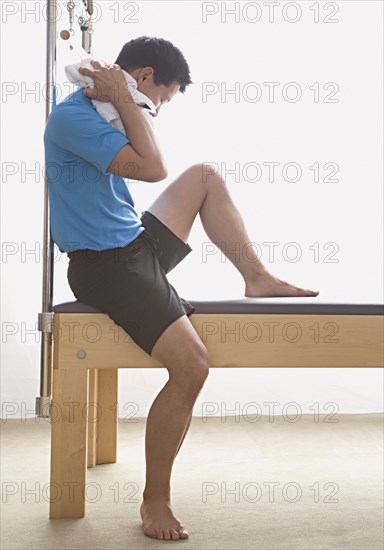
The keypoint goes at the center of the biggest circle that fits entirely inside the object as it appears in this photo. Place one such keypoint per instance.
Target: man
(118, 261)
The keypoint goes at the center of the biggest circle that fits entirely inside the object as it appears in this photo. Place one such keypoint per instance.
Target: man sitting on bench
(118, 261)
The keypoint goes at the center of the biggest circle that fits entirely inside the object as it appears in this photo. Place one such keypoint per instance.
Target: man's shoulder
(76, 101)
(75, 109)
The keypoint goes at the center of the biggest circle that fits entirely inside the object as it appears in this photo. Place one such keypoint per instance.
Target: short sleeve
(86, 134)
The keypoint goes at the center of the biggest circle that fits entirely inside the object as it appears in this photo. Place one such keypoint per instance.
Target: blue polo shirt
(89, 208)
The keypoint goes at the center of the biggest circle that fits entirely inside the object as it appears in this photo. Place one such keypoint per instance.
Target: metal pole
(45, 318)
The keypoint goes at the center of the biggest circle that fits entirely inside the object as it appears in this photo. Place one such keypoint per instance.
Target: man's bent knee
(203, 171)
(191, 375)
(182, 352)
(195, 369)
(192, 366)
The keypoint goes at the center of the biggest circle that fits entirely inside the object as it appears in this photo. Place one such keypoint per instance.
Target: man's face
(157, 94)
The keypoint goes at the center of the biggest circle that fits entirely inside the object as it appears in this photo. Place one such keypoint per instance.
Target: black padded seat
(304, 306)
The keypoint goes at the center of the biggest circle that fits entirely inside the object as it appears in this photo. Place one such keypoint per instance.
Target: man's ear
(148, 71)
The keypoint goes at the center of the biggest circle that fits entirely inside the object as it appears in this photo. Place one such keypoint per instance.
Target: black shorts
(129, 283)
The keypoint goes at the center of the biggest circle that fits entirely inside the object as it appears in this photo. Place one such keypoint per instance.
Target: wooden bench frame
(89, 348)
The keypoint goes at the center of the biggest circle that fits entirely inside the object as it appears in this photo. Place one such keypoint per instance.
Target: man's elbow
(158, 174)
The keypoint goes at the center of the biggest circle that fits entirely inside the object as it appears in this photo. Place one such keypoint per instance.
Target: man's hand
(110, 83)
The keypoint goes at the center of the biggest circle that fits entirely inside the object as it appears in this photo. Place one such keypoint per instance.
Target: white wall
(346, 213)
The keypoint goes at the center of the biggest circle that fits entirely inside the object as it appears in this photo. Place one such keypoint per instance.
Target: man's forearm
(138, 130)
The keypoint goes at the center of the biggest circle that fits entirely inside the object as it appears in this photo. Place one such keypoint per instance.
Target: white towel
(106, 109)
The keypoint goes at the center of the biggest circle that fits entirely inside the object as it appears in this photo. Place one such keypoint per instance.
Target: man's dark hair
(167, 61)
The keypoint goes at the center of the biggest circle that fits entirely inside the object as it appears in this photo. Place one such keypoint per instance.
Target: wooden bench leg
(102, 416)
(107, 420)
(68, 443)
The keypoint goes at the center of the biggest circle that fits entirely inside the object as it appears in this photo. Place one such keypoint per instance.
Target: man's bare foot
(266, 285)
(159, 521)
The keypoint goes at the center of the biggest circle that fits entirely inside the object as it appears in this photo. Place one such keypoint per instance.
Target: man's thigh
(179, 203)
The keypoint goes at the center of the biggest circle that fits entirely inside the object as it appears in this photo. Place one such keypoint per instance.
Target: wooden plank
(68, 443)
(107, 418)
(233, 340)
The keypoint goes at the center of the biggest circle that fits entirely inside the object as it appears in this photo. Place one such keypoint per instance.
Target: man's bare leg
(200, 189)
(168, 422)
(177, 207)
(185, 433)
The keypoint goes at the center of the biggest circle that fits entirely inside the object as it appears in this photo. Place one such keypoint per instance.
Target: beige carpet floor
(327, 479)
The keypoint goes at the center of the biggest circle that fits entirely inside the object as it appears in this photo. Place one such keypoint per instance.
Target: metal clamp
(45, 321)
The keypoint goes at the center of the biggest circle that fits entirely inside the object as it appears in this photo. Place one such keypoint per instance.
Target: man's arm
(141, 158)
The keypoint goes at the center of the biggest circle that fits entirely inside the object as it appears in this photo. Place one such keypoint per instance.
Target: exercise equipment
(86, 26)
(251, 332)
(45, 317)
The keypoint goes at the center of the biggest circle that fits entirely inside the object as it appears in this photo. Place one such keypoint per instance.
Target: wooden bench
(89, 348)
